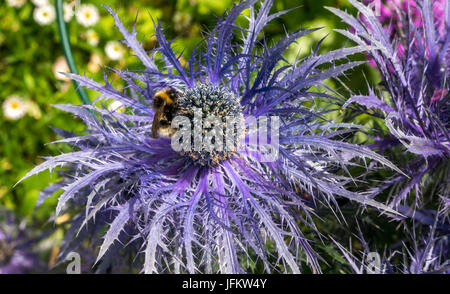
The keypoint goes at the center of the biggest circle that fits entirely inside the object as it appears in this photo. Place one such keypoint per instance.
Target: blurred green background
(31, 56)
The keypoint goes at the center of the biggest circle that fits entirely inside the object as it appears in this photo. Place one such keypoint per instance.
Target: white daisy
(44, 15)
(14, 107)
(59, 66)
(92, 37)
(16, 3)
(40, 2)
(87, 15)
(68, 11)
(114, 50)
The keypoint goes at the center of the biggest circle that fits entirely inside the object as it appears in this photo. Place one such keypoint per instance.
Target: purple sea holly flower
(210, 211)
(414, 98)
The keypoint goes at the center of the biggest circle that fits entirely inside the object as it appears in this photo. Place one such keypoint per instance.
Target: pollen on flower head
(87, 15)
(14, 107)
(44, 15)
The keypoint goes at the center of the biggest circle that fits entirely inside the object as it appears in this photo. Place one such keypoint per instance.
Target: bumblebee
(165, 104)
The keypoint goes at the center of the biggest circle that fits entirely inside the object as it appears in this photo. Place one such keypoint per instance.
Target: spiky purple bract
(187, 217)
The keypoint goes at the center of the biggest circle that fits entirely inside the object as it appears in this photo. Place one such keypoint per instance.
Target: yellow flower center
(14, 105)
(87, 14)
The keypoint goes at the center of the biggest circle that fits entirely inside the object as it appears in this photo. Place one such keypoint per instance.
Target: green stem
(65, 43)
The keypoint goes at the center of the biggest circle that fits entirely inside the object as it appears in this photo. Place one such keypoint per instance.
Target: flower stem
(65, 43)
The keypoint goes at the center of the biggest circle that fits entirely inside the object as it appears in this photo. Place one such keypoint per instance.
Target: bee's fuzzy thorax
(164, 96)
